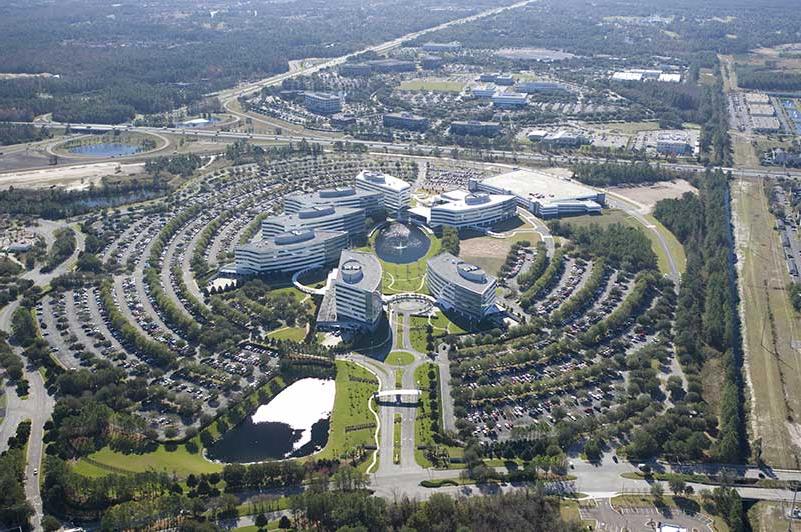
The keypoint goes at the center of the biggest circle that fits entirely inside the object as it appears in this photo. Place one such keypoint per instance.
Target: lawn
(771, 362)
(291, 290)
(423, 423)
(399, 358)
(400, 278)
(435, 85)
(396, 438)
(294, 334)
(175, 459)
(355, 387)
(766, 516)
(417, 333)
(490, 253)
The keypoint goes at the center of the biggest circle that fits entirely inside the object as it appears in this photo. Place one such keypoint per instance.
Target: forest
(18, 134)
(610, 174)
(765, 79)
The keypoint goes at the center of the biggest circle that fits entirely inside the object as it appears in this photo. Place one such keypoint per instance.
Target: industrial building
(371, 202)
(471, 209)
(328, 218)
(354, 302)
(460, 287)
(509, 100)
(322, 103)
(396, 192)
(405, 121)
(453, 46)
(290, 252)
(543, 194)
(475, 127)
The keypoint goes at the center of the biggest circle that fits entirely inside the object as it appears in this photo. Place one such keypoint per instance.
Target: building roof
(406, 116)
(328, 195)
(383, 180)
(318, 213)
(359, 269)
(540, 186)
(461, 273)
(291, 240)
(321, 95)
(459, 200)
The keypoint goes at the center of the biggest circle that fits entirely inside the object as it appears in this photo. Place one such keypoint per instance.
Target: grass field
(490, 253)
(434, 85)
(772, 364)
(295, 334)
(744, 152)
(767, 516)
(399, 278)
(171, 459)
(399, 358)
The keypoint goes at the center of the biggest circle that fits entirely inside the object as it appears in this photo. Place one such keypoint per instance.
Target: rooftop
(314, 212)
(383, 180)
(536, 185)
(291, 239)
(461, 273)
(459, 200)
(359, 269)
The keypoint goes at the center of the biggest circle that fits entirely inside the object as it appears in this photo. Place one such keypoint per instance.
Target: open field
(399, 358)
(771, 326)
(294, 334)
(175, 458)
(767, 516)
(649, 195)
(435, 85)
(744, 152)
(489, 252)
(73, 177)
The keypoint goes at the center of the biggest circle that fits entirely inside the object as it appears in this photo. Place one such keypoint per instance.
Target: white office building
(371, 202)
(322, 103)
(543, 194)
(460, 287)
(673, 144)
(397, 193)
(471, 209)
(357, 291)
(290, 252)
(483, 91)
(509, 100)
(324, 218)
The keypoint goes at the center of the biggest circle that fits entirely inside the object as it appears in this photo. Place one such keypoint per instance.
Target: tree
(261, 520)
(657, 491)
(284, 523)
(677, 486)
(50, 523)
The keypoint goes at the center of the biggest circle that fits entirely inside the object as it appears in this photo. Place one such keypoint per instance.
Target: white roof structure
(383, 180)
(539, 185)
(669, 77)
(627, 76)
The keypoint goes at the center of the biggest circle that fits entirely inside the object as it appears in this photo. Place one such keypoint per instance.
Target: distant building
(475, 127)
(765, 124)
(290, 252)
(355, 301)
(471, 209)
(536, 135)
(405, 121)
(505, 81)
(761, 109)
(539, 86)
(371, 202)
(396, 192)
(483, 91)
(391, 65)
(355, 69)
(343, 121)
(328, 218)
(454, 46)
(460, 287)
(431, 62)
(322, 103)
(670, 77)
(673, 144)
(563, 139)
(509, 100)
(757, 97)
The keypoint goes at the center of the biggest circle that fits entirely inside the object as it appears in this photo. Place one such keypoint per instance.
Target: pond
(294, 423)
(106, 149)
(401, 243)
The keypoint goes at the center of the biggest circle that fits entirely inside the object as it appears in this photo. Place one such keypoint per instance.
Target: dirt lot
(490, 253)
(75, 177)
(648, 195)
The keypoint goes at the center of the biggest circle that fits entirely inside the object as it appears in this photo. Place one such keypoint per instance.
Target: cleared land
(649, 195)
(490, 252)
(71, 177)
(767, 516)
(771, 326)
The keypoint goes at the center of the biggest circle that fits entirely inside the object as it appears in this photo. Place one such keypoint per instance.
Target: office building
(405, 121)
(563, 139)
(342, 120)
(396, 192)
(471, 209)
(371, 202)
(529, 87)
(460, 287)
(317, 217)
(322, 103)
(290, 252)
(483, 91)
(673, 144)
(509, 100)
(543, 194)
(475, 127)
(354, 301)
(355, 69)
(431, 62)
(453, 46)
(391, 65)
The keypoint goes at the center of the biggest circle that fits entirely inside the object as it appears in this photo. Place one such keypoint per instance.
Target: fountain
(401, 243)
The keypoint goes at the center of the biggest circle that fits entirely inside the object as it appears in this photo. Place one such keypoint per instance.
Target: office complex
(396, 192)
(290, 252)
(508, 100)
(317, 217)
(322, 103)
(539, 86)
(563, 139)
(475, 127)
(406, 121)
(542, 194)
(460, 287)
(483, 91)
(673, 144)
(471, 209)
(371, 202)
(354, 302)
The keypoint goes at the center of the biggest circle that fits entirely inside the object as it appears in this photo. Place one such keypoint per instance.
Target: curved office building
(461, 287)
(317, 218)
(290, 252)
(337, 197)
(478, 209)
